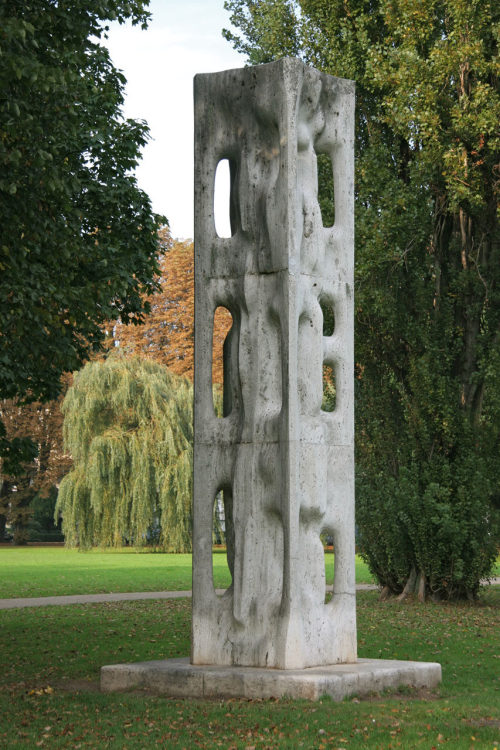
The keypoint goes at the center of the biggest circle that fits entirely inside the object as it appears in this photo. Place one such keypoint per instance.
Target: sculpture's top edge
(288, 64)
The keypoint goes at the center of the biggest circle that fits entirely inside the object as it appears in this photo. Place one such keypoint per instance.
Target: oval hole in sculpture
(327, 542)
(326, 190)
(219, 522)
(223, 321)
(328, 316)
(222, 538)
(222, 199)
(329, 389)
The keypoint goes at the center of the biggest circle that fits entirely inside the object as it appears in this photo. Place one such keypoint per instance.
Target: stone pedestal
(179, 679)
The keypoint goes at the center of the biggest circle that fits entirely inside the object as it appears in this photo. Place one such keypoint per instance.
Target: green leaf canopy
(78, 242)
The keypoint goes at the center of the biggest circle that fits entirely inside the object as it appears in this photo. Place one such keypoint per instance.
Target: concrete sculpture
(284, 465)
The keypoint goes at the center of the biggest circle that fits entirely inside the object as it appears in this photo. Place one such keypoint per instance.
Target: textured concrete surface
(179, 678)
(284, 465)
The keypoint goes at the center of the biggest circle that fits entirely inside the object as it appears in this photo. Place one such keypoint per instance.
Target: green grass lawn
(51, 659)
(52, 571)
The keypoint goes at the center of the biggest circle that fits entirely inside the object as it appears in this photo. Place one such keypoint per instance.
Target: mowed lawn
(51, 658)
(52, 571)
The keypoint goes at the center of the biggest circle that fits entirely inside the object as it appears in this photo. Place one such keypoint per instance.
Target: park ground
(51, 657)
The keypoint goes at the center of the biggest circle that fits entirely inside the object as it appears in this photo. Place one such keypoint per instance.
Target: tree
(427, 270)
(128, 427)
(36, 478)
(79, 241)
(168, 333)
(42, 527)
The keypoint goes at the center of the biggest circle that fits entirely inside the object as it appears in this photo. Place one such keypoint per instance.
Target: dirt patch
(409, 694)
(495, 723)
(78, 686)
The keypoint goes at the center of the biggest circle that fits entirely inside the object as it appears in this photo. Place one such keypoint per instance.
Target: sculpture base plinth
(180, 679)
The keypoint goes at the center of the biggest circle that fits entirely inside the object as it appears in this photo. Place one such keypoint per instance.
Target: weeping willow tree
(128, 426)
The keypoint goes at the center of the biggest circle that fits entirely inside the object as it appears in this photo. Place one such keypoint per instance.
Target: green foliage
(128, 426)
(15, 452)
(427, 269)
(263, 24)
(79, 241)
(438, 526)
(41, 526)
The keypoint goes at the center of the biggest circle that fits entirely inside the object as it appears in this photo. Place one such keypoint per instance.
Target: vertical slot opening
(223, 322)
(224, 199)
(223, 540)
(327, 542)
(329, 401)
(328, 316)
(326, 190)
(219, 522)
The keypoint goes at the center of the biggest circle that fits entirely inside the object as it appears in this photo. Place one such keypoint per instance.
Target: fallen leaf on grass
(42, 691)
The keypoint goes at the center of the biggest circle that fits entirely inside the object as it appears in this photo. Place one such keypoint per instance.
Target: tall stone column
(284, 466)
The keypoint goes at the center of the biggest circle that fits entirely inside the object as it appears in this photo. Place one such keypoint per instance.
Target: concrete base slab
(178, 678)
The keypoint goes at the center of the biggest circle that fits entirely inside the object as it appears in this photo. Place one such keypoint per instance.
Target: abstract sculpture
(285, 467)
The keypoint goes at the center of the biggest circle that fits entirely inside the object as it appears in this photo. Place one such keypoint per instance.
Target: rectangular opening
(326, 190)
(328, 316)
(223, 538)
(329, 401)
(327, 542)
(223, 321)
(224, 199)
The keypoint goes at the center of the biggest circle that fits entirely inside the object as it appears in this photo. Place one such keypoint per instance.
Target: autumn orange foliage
(168, 332)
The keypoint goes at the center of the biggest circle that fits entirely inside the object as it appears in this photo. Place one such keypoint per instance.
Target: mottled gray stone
(178, 678)
(285, 466)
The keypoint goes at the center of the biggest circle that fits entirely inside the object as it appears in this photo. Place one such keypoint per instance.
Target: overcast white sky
(183, 38)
